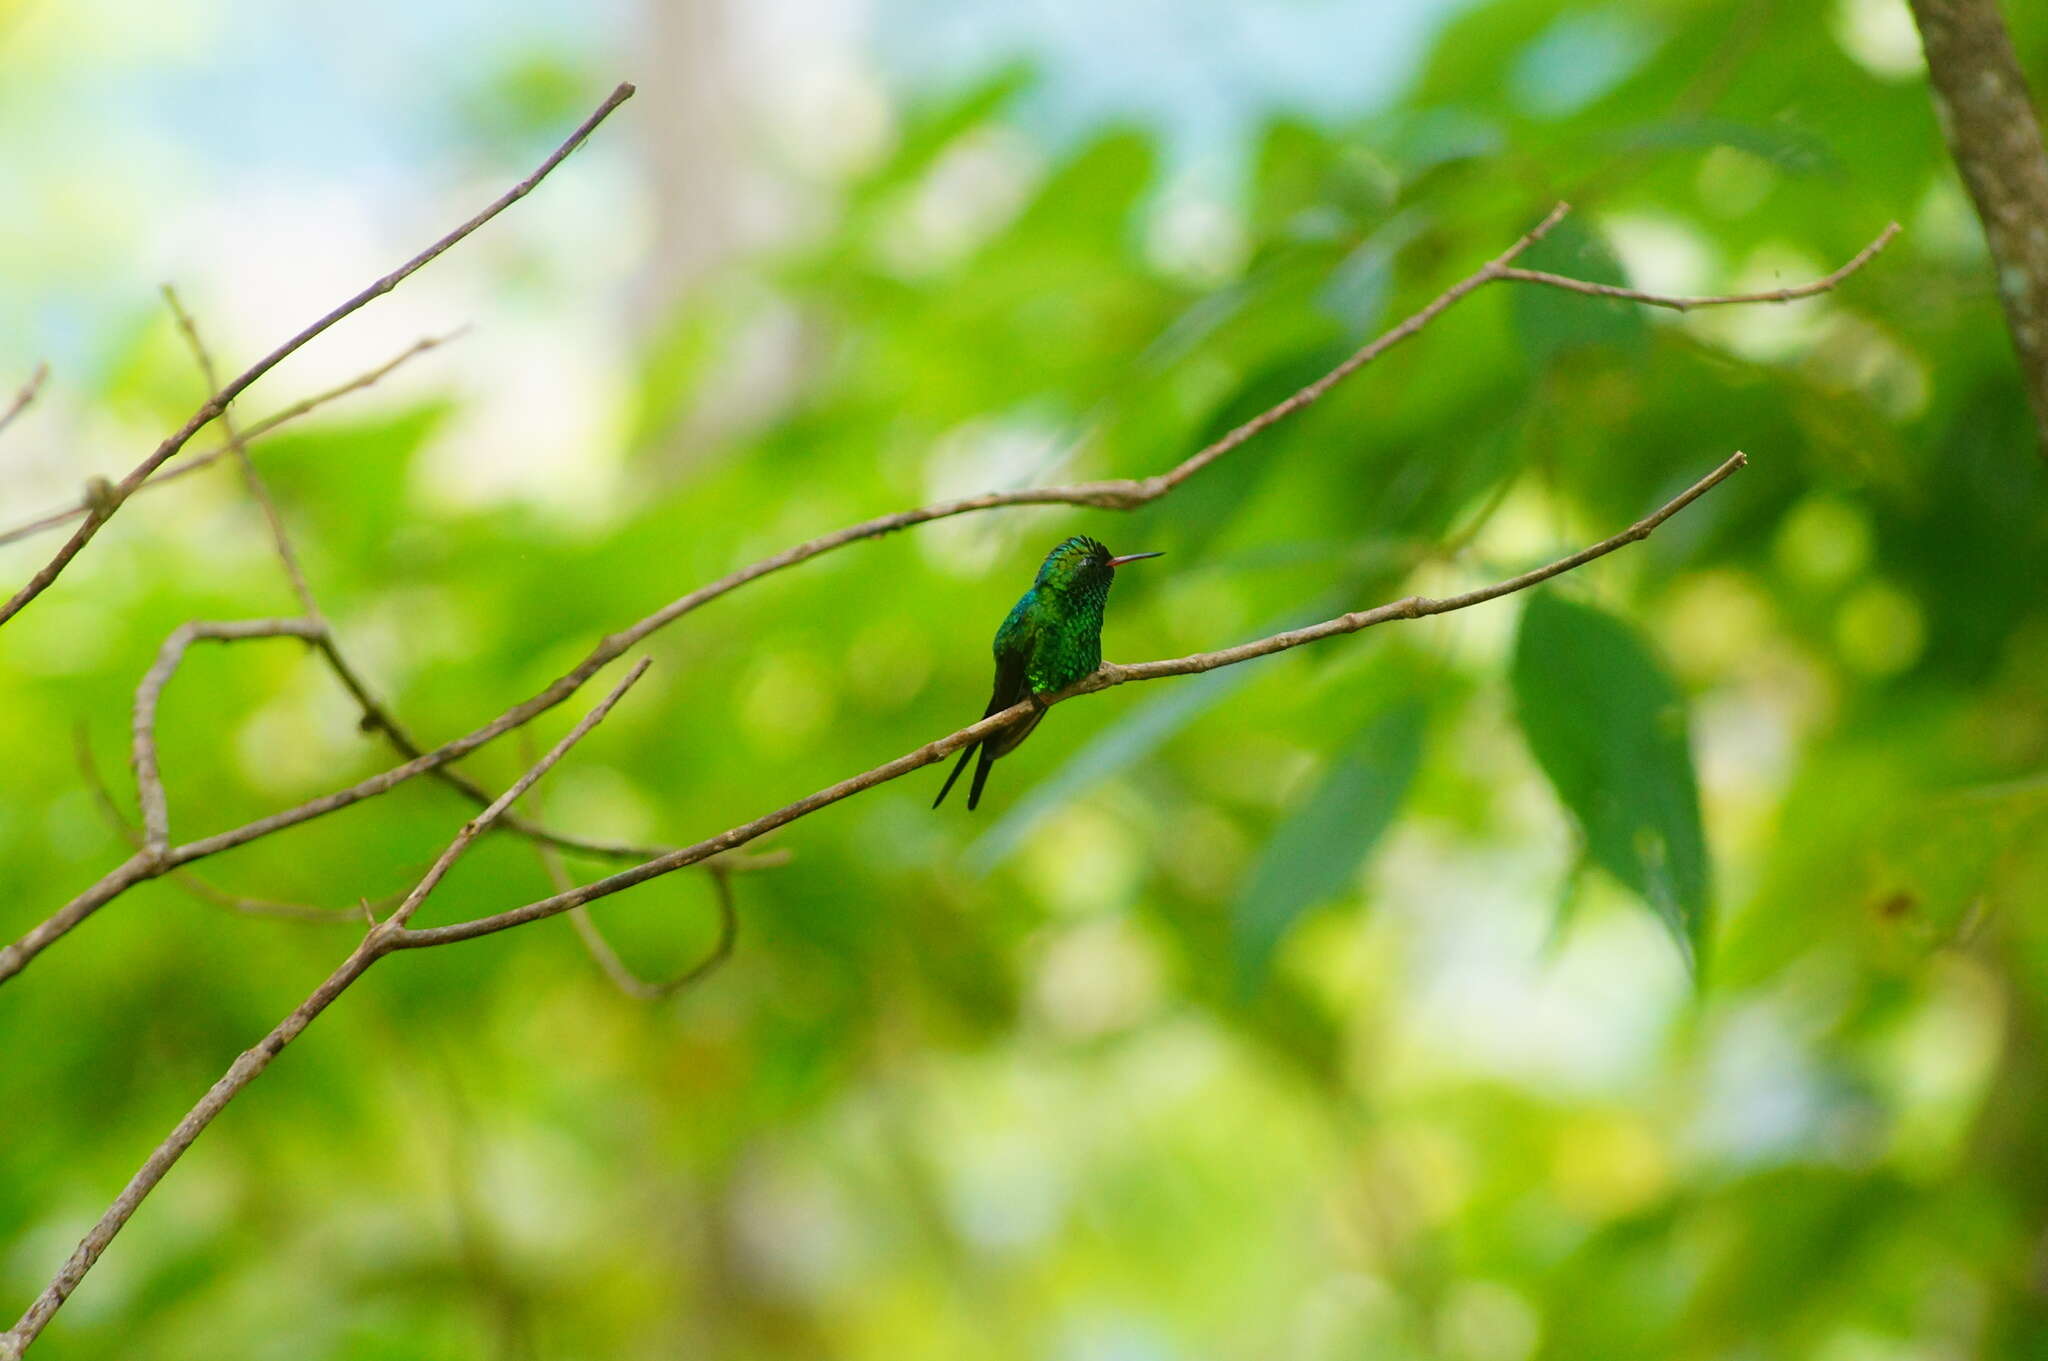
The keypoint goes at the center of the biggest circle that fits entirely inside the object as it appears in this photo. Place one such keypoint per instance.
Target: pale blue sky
(136, 128)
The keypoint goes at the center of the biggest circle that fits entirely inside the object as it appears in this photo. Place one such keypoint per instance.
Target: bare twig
(187, 466)
(239, 1075)
(621, 974)
(145, 865)
(1686, 304)
(376, 716)
(607, 959)
(150, 792)
(27, 394)
(376, 943)
(477, 825)
(137, 868)
(280, 540)
(149, 783)
(379, 718)
(1122, 494)
(1109, 675)
(1987, 115)
(394, 934)
(1443, 302)
(218, 403)
(200, 888)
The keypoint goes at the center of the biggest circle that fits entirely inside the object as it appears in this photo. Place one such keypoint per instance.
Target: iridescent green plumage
(1051, 638)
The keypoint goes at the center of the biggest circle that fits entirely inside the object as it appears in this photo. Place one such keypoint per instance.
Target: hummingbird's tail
(959, 766)
(1000, 743)
(988, 758)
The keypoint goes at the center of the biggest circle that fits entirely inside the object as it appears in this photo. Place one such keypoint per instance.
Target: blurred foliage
(1609, 729)
(1314, 854)
(1253, 1024)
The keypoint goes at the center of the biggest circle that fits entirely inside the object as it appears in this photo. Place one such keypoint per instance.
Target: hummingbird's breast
(1067, 642)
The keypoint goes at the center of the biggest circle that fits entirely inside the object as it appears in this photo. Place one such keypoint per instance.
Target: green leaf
(347, 477)
(928, 131)
(1315, 852)
(1608, 728)
(1363, 281)
(1550, 321)
(1791, 149)
(1943, 857)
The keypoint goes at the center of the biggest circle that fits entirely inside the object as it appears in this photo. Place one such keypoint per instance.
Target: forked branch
(622, 975)
(26, 395)
(117, 493)
(149, 781)
(376, 716)
(376, 943)
(1124, 494)
(1679, 303)
(202, 889)
(1109, 675)
(259, 491)
(394, 933)
(185, 467)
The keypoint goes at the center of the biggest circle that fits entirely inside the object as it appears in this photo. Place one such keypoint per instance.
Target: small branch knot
(100, 497)
(1124, 495)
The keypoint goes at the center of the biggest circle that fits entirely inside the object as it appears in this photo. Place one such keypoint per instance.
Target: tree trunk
(1980, 94)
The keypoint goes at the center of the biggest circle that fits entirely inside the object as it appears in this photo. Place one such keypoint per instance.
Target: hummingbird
(1051, 638)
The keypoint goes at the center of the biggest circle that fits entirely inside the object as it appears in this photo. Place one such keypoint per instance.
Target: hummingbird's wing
(1011, 686)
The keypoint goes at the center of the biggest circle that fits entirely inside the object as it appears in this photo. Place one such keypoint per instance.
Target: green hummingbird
(1051, 638)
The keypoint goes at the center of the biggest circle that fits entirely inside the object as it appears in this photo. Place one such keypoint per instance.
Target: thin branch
(1108, 676)
(145, 865)
(280, 539)
(200, 888)
(376, 717)
(149, 782)
(1686, 304)
(136, 869)
(1493, 269)
(479, 824)
(119, 492)
(27, 394)
(607, 959)
(185, 467)
(150, 793)
(376, 943)
(239, 1075)
(1987, 116)
(394, 934)
(621, 974)
(1123, 494)
(148, 695)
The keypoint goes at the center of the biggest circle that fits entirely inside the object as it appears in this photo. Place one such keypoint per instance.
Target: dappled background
(1304, 1009)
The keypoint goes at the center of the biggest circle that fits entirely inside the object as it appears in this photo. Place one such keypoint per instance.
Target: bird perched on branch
(1052, 638)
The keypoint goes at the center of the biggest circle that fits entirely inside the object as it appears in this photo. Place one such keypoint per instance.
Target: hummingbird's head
(1081, 562)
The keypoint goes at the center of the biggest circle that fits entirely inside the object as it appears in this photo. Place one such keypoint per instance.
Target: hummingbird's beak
(1133, 557)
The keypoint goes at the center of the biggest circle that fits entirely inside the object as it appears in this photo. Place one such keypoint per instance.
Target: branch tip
(220, 399)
